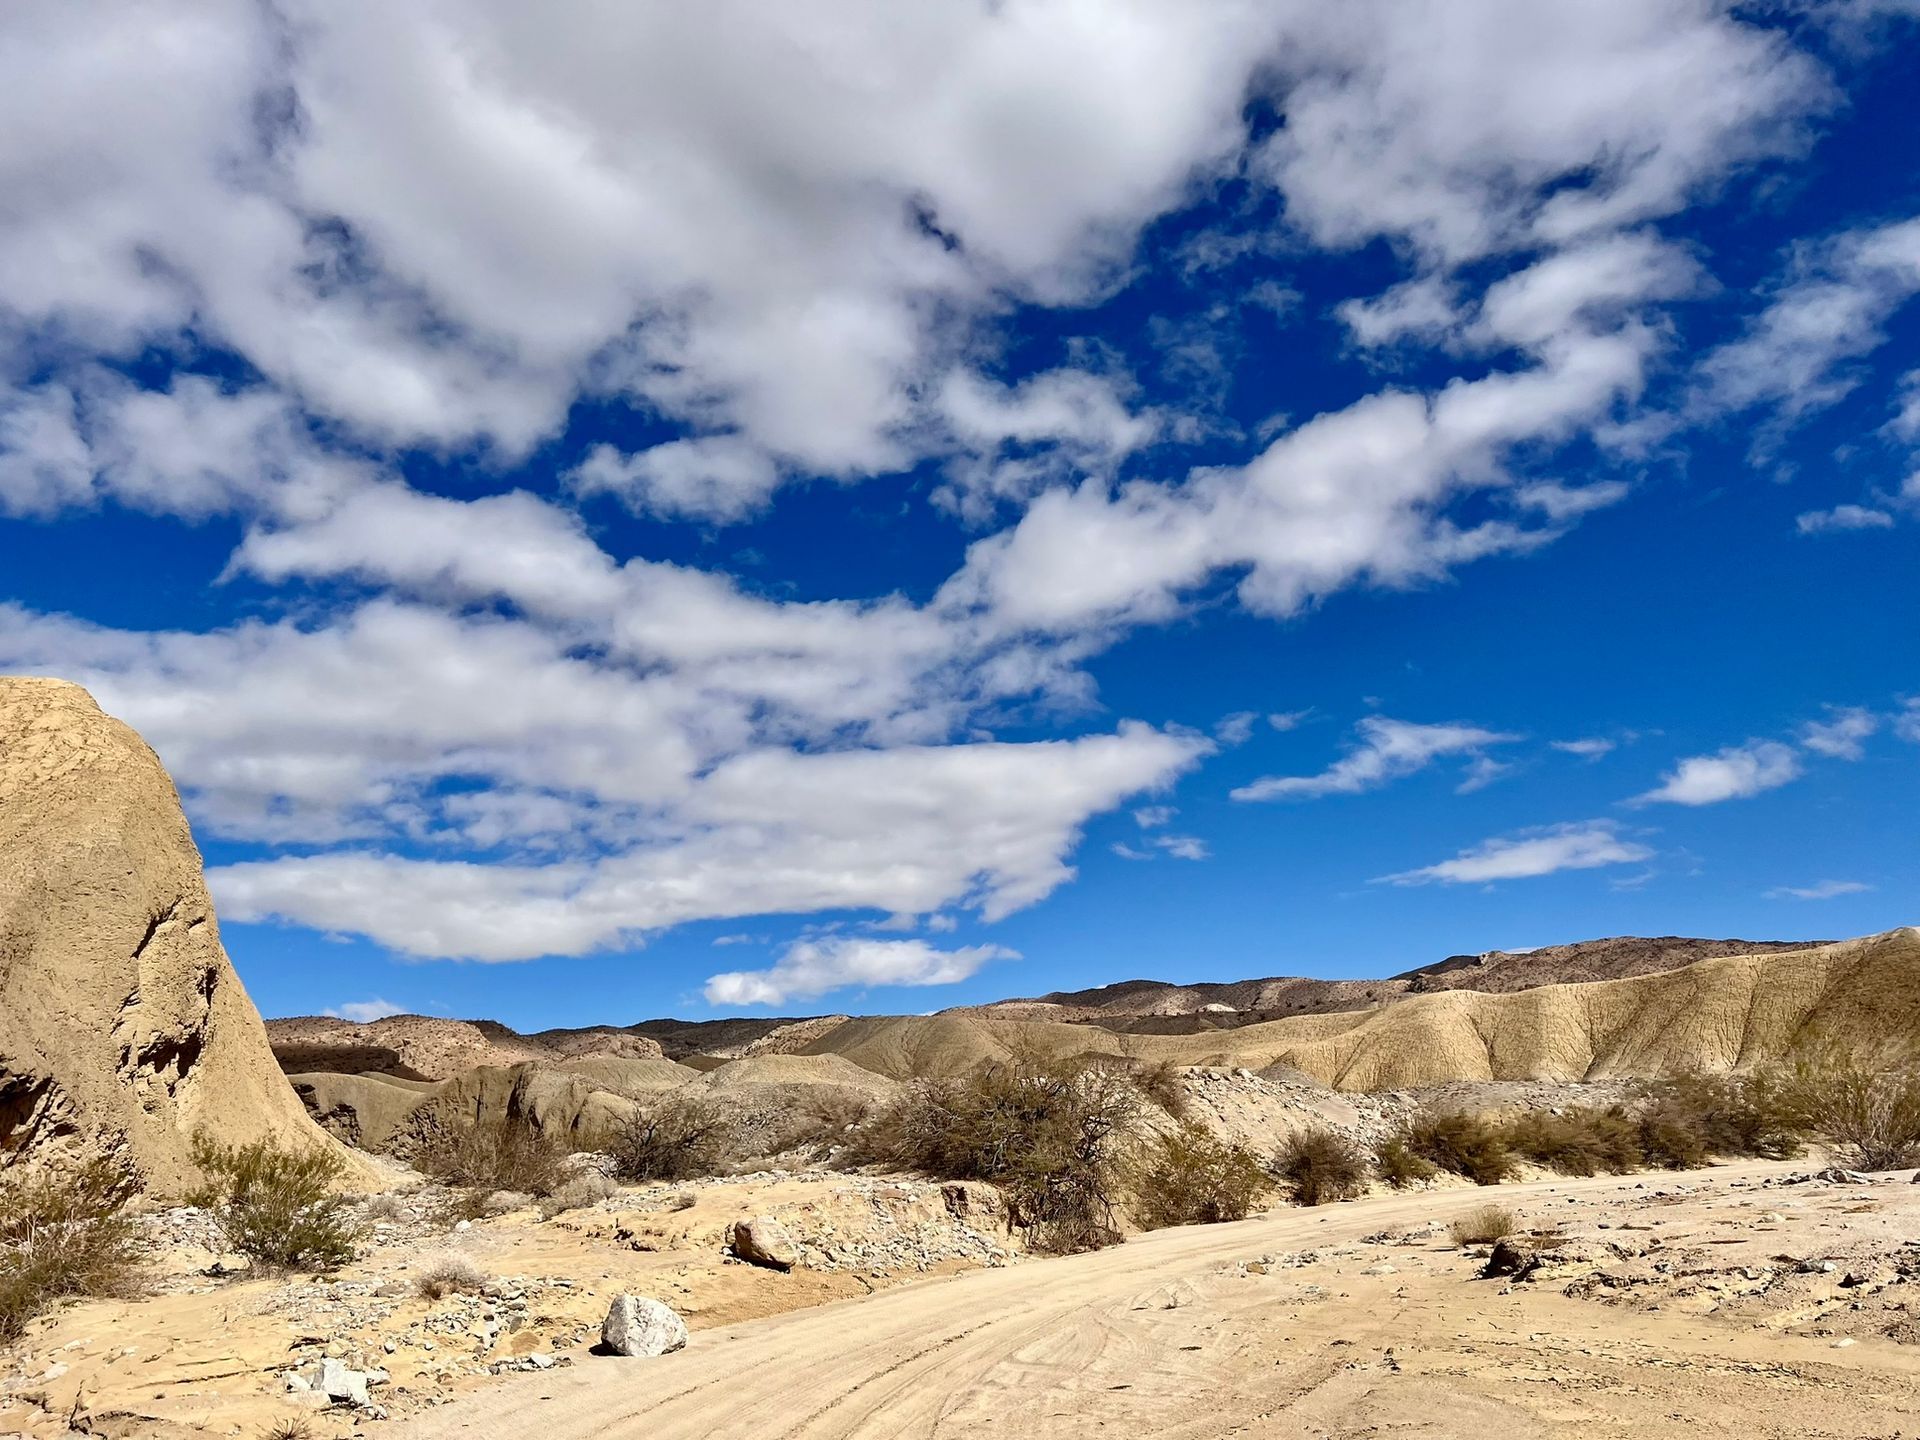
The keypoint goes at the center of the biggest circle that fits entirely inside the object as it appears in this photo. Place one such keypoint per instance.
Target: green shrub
(506, 1154)
(1054, 1136)
(1577, 1141)
(1687, 1118)
(1482, 1226)
(281, 1208)
(672, 1139)
(1161, 1082)
(1463, 1143)
(1399, 1165)
(63, 1232)
(1317, 1166)
(1864, 1103)
(1192, 1177)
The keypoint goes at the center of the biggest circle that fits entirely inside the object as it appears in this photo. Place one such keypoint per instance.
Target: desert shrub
(294, 1427)
(1463, 1143)
(589, 1187)
(1192, 1177)
(1054, 1136)
(1316, 1166)
(676, 1138)
(1578, 1141)
(506, 1154)
(1482, 1226)
(1400, 1165)
(385, 1206)
(448, 1275)
(1160, 1082)
(1687, 1118)
(1864, 1103)
(279, 1207)
(63, 1232)
(815, 1119)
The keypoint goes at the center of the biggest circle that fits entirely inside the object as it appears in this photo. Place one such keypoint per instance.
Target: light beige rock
(123, 1027)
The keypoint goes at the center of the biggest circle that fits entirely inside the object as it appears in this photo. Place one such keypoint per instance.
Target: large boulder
(123, 1028)
(639, 1325)
(764, 1241)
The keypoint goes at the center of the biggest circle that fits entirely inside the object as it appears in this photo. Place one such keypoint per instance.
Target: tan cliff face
(123, 1027)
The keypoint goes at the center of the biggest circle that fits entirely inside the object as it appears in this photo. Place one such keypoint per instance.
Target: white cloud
(1906, 723)
(1386, 751)
(1736, 773)
(1824, 890)
(365, 1012)
(1844, 736)
(1287, 720)
(811, 968)
(1842, 517)
(1591, 747)
(1829, 311)
(1183, 847)
(1481, 772)
(1563, 502)
(1149, 817)
(1582, 846)
(1235, 729)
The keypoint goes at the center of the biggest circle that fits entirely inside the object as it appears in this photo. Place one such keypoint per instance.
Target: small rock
(639, 1325)
(1510, 1257)
(1843, 1343)
(1383, 1268)
(338, 1383)
(765, 1241)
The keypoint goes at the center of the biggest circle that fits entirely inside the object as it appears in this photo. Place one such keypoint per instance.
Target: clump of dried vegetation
(1483, 1226)
(676, 1138)
(486, 1162)
(448, 1275)
(1317, 1166)
(281, 1207)
(1190, 1176)
(64, 1232)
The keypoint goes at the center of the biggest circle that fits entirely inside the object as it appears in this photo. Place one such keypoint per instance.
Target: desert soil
(1718, 1303)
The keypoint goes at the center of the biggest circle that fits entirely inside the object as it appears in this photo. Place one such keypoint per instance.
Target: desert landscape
(1565, 1192)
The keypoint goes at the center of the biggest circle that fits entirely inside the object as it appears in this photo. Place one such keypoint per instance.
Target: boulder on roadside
(640, 1326)
(765, 1241)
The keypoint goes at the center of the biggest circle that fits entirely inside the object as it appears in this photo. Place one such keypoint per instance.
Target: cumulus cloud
(1736, 773)
(1386, 750)
(810, 968)
(1823, 890)
(365, 1012)
(1586, 845)
(1844, 736)
(1842, 517)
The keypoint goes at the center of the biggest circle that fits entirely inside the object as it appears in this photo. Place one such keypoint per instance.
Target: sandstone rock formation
(123, 1028)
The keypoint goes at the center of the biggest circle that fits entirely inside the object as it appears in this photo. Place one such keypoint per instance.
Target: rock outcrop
(123, 1027)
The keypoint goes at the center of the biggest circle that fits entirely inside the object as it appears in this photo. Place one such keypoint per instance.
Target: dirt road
(1174, 1335)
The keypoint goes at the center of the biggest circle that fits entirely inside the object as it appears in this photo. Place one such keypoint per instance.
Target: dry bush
(583, 1190)
(1162, 1083)
(281, 1208)
(295, 1427)
(62, 1233)
(1463, 1143)
(1483, 1226)
(1686, 1119)
(1399, 1165)
(1578, 1141)
(1317, 1166)
(506, 1154)
(385, 1206)
(1192, 1177)
(1864, 1103)
(448, 1275)
(1053, 1135)
(677, 1138)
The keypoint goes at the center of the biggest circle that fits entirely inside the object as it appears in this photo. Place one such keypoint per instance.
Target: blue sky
(788, 509)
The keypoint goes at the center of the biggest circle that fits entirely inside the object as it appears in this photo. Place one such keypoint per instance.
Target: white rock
(639, 1325)
(337, 1382)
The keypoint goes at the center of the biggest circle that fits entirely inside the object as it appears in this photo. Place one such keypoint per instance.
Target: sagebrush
(63, 1232)
(281, 1207)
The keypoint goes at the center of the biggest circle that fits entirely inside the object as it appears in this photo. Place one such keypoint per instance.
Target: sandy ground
(1724, 1307)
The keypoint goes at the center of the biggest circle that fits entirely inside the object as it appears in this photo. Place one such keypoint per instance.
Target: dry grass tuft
(448, 1275)
(1483, 1226)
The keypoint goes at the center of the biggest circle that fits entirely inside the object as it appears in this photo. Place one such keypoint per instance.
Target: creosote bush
(506, 1154)
(1864, 1103)
(676, 1138)
(1192, 1177)
(63, 1232)
(1398, 1164)
(1482, 1226)
(1466, 1144)
(1055, 1136)
(1317, 1166)
(1580, 1140)
(280, 1207)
